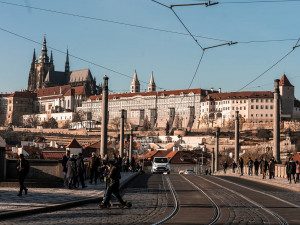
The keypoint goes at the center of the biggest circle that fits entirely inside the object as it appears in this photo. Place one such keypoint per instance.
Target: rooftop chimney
(211, 89)
(220, 90)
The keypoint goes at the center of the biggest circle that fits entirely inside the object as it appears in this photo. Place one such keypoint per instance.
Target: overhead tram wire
(259, 1)
(76, 57)
(142, 27)
(282, 58)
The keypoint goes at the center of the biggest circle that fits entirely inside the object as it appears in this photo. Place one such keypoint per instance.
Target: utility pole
(237, 137)
(131, 145)
(103, 149)
(276, 122)
(212, 160)
(121, 151)
(217, 150)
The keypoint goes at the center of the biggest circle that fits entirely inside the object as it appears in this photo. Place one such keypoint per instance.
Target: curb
(62, 205)
(285, 186)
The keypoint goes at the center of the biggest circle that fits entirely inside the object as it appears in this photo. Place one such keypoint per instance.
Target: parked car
(189, 172)
(181, 171)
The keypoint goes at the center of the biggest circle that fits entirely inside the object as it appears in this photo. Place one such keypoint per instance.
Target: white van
(160, 165)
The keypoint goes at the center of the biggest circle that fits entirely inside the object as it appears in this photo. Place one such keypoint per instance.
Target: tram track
(276, 216)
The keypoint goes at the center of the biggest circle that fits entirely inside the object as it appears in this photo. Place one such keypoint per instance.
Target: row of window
(261, 107)
(261, 115)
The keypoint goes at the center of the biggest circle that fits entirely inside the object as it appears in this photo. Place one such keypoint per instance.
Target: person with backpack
(22, 169)
(114, 177)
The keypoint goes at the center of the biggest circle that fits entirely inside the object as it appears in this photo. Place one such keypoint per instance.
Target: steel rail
(261, 192)
(281, 220)
(175, 200)
(217, 210)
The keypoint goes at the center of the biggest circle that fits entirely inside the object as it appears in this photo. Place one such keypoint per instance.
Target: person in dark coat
(265, 167)
(233, 167)
(80, 169)
(93, 166)
(241, 165)
(225, 167)
(71, 173)
(64, 165)
(272, 169)
(256, 167)
(291, 169)
(114, 177)
(22, 170)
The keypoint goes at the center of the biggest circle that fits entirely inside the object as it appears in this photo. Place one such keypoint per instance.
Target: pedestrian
(260, 165)
(210, 171)
(256, 166)
(120, 162)
(132, 164)
(250, 166)
(114, 177)
(64, 165)
(241, 165)
(225, 167)
(71, 171)
(206, 171)
(234, 167)
(22, 170)
(80, 169)
(272, 169)
(127, 164)
(265, 167)
(291, 169)
(93, 166)
(297, 171)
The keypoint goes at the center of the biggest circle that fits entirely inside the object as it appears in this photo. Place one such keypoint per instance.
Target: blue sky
(173, 58)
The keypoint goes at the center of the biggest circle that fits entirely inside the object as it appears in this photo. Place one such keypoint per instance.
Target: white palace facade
(193, 108)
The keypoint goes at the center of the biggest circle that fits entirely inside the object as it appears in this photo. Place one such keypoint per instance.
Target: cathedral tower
(151, 85)
(135, 84)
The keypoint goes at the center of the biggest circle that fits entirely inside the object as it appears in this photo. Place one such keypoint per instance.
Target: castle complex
(194, 108)
(42, 74)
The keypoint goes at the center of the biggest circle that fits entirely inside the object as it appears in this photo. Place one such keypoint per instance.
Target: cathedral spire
(44, 57)
(135, 84)
(67, 65)
(151, 85)
(51, 58)
(33, 58)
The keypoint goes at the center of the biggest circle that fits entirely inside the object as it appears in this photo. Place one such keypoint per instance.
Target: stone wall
(44, 170)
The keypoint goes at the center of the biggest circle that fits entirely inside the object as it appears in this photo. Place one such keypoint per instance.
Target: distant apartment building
(3, 108)
(194, 108)
(19, 104)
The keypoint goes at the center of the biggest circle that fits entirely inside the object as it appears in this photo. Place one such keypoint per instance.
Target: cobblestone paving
(43, 197)
(148, 203)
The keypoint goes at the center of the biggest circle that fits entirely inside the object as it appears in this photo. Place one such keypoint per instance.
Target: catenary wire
(76, 57)
(143, 27)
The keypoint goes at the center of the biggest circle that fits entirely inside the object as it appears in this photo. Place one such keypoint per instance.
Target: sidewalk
(50, 199)
(278, 181)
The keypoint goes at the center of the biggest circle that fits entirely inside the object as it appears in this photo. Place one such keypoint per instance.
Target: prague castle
(42, 74)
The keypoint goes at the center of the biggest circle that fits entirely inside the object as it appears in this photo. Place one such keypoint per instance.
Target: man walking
(291, 169)
(265, 167)
(71, 174)
(272, 169)
(250, 166)
(241, 165)
(93, 166)
(22, 169)
(80, 169)
(256, 166)
(114, 177)
(64, 165)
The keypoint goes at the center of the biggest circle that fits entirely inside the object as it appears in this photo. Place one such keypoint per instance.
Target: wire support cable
(282, 58)
(141, 26)
(76, 57)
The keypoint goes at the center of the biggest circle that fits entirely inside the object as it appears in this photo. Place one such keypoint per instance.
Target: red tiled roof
(154, 93)
(150, 154)
(284, 81)
(43, 92)
(23, 94)
(239, 95)
(4, 95)
(51, 149)
(92, 145)
(296, 157)
(74, 144)
(171, 155)
(53, 155)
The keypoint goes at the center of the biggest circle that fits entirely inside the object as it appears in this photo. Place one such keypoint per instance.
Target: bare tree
(31, 121)
(115, 123)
